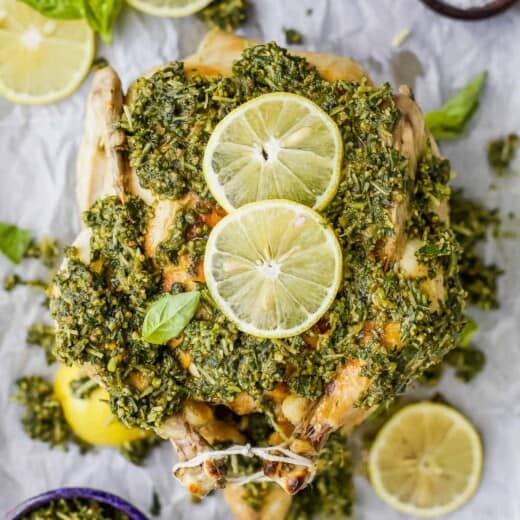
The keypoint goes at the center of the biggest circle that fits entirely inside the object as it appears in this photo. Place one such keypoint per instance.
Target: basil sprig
(449, 122)
(167, 317)
(14, 242)
(100, 14)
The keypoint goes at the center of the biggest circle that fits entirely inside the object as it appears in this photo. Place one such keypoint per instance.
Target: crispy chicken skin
(104, 170)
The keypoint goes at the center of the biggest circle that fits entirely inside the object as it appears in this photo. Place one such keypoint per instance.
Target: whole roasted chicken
(147, 216)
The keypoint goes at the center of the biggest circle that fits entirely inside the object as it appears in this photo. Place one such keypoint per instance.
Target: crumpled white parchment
(38, 147)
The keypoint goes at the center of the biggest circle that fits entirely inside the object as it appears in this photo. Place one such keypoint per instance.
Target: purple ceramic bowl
(492, 8)
(102, 497)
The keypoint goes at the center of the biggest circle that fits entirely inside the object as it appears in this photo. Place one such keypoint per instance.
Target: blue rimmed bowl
(102, 497)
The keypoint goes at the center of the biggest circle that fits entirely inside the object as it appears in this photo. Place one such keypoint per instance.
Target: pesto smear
(102, 305)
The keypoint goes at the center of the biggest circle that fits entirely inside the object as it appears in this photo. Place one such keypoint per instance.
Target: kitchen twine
(246, 450)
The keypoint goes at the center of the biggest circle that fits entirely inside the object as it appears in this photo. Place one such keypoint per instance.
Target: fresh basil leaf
(467, 332)
(14, 242)
(167, 317)
(59, 9)
(101, 15)
(449, 122)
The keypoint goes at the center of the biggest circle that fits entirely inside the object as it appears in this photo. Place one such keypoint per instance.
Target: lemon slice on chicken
(41, 60)
(273, 267)
(276, 146)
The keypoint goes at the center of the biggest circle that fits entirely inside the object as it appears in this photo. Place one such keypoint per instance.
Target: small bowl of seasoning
(469, 9)
(75, 504)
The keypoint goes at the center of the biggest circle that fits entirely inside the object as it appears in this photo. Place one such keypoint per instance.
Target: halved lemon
(41, 60)
(276, 146)
(273, 267)
(90, 418)
(426, 461)
(173, 8)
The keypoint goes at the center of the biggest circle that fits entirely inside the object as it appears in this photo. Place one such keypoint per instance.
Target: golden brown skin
(103, 170)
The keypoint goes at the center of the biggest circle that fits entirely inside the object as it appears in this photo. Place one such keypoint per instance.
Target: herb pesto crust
(101, 306)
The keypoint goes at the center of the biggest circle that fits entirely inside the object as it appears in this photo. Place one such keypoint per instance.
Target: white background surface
(38, 148)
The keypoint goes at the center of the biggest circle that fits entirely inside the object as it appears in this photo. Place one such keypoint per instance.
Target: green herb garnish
(100, 14)
(167, 317)
(449, 122)
(14, 242)
(501, 152)
(44, 336)
(155, 507)
(293, 37)
(225, 14)
(43, 418)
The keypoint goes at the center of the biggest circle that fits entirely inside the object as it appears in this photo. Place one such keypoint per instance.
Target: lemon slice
(426, 461)
(41, 60)
(174, 8)
(276, 146)
(273, 267)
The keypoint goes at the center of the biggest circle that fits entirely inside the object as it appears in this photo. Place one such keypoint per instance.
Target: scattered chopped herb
(11, 281)
(501, 152)
(155, 507)
(14, 242)
(137, 451)
(331, 494)
(467, 361)
(293, 37)
(472, 222)
(75, 509)
(309, 11)
(47, 251)
(449, 122)
(99, 63)
(44, 336)
(225, 14)
(43, 418)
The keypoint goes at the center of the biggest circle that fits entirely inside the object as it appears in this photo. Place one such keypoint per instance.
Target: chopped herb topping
(137, 451)
(501, 152)
(168, 122)
(75, 509)
(225, 14)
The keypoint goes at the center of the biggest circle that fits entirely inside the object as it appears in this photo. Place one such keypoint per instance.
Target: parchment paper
(38, 147)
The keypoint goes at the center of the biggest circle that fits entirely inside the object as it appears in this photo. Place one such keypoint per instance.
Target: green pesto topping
(501, 152)
(101, 308)
(75, 509)
(225, 14)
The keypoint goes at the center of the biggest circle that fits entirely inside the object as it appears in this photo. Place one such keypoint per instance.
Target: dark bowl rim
(493, 8)
(98, 495)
